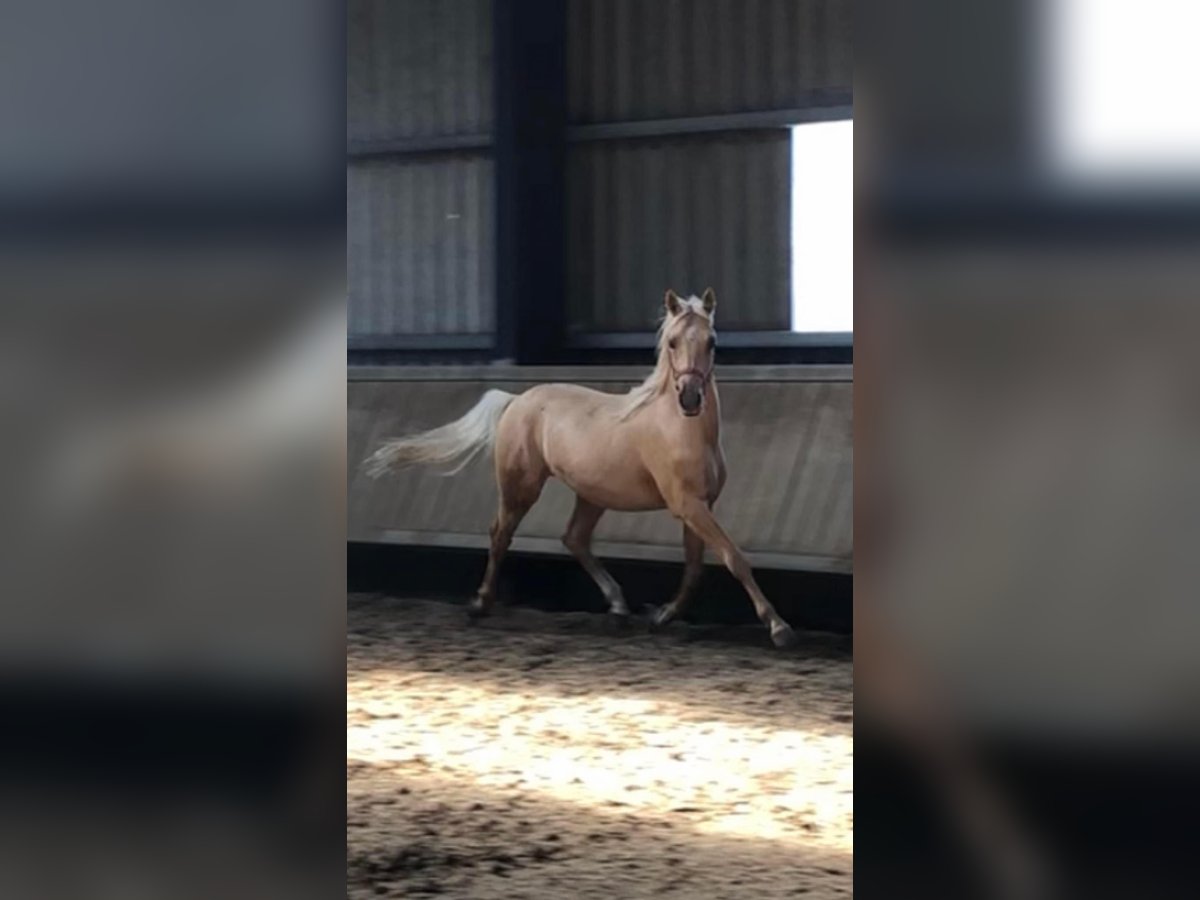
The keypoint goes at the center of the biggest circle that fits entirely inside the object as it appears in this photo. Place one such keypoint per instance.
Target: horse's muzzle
(691, 395)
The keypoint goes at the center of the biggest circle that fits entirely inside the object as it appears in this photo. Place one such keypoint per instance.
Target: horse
(657, 446)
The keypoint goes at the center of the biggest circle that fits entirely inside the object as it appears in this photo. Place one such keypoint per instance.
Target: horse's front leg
(699, 518)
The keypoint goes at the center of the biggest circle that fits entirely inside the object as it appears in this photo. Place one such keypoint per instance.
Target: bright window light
(823, 227)
(1120, 89)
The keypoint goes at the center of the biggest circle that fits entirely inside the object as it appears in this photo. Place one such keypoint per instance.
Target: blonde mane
(656, 381)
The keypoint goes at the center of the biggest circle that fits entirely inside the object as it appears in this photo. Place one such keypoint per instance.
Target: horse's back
(572, 403)
(572, 395)
(549, 411)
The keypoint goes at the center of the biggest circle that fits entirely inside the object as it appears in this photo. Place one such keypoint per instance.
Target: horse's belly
(622, 500)
(622, 490)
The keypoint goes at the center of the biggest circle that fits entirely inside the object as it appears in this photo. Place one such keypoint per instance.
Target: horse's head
(688, 345)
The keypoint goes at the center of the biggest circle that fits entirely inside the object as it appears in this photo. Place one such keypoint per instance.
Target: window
(1118, 94)
(823, 227)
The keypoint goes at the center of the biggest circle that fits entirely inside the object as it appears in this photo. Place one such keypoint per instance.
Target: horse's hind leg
(693, 552)
(517, 495)
(578, 539)
(506, 522)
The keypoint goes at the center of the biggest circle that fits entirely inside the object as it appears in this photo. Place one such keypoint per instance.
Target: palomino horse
(657, 446)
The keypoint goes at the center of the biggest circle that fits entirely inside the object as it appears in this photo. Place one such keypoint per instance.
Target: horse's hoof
(783, 637)
(660, 617)
(476, 610)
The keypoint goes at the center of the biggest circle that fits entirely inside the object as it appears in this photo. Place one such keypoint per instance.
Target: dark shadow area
(1113, 824)
(148, 779)
(413, 832)
(173, 734)
(808, 600)
(903, 833)
(1118, 819)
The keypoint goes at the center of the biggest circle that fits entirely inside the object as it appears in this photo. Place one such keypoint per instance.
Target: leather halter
(692, 370)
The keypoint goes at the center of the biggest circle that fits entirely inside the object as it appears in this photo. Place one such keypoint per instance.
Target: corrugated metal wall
(420, 245)
(686, 213)
(418, 68)
(420, 228)
(657, 59)
(643, 214)
(711, 209)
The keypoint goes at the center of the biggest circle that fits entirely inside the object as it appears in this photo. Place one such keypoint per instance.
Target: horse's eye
(712, 343)
(671, 343)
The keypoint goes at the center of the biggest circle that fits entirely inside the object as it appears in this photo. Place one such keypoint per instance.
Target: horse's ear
(673, 303)
(710, 301)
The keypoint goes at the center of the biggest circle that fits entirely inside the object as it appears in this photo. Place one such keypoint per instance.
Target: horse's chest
(707, 472)
(696, 472)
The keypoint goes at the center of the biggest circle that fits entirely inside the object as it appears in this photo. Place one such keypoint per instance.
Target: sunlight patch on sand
(611, 753)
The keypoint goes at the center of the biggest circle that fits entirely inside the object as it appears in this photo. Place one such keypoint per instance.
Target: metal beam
(419, 342)
(644, 340)
(585, 374)
(751, 121)
(530, 75)
(385, 147)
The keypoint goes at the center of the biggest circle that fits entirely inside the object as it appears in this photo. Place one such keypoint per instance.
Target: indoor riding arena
(525, 181)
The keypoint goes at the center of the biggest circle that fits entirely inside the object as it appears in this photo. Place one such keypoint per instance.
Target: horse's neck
(712, 410)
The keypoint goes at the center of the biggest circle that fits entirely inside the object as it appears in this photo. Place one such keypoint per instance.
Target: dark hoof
(476, 610)
(783, 637)
(660, 617)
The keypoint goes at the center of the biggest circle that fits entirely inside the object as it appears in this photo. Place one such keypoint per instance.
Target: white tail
(460, 441)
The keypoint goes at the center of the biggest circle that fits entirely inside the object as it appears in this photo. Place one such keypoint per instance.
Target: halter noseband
(692, 370)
